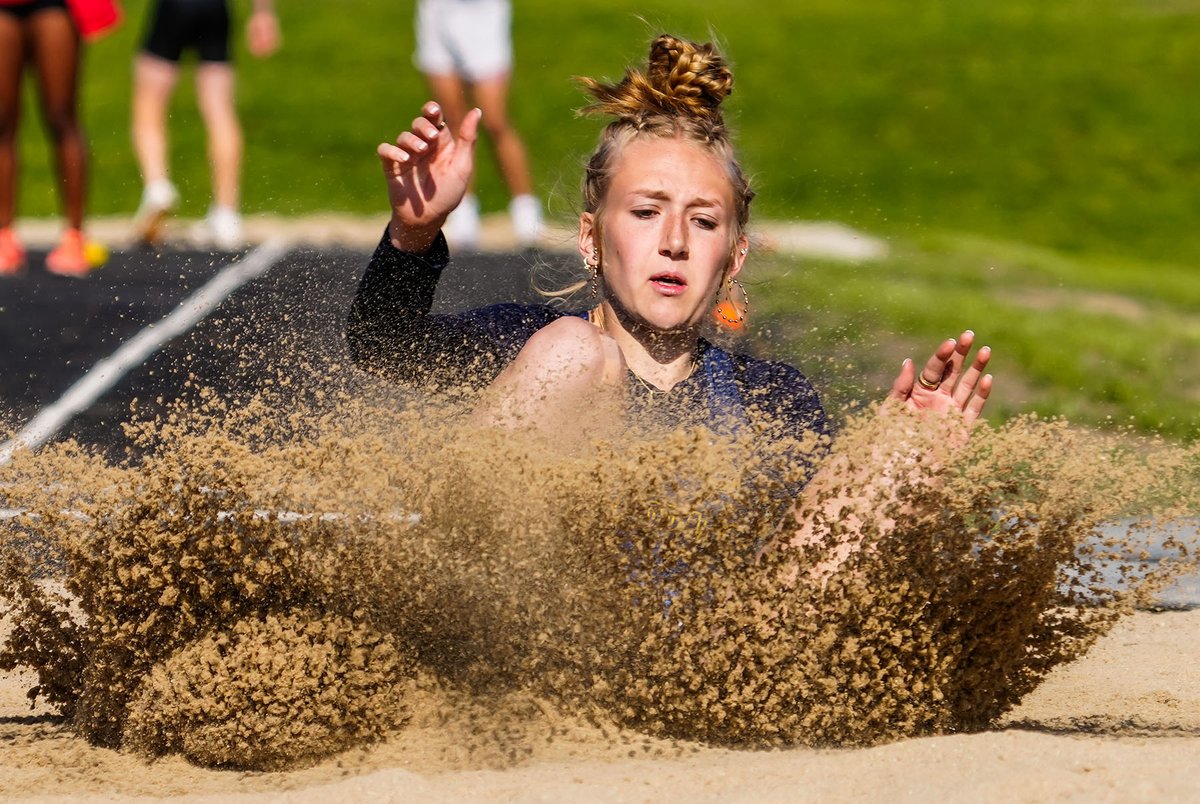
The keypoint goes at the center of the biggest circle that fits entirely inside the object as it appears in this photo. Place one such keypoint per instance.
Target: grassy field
(1034, 164)
(1069, 124)
(1088, 339)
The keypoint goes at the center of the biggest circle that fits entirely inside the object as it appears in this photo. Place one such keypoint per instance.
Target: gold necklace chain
(596, 318)
(652, 390)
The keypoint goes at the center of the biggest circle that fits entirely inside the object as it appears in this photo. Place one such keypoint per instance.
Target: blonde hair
(679, 95)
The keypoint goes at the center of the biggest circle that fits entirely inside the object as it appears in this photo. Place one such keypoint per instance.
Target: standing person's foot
(69, 257)
(525, 213)
(462, 226)
(220, 229)
(12, 253)
(158, 202)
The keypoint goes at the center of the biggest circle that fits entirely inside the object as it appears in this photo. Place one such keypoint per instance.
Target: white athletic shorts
(468, 38)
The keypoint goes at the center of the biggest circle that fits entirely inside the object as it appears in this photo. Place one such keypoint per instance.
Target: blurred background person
(465, 46)
(43, 35)
(176, 26)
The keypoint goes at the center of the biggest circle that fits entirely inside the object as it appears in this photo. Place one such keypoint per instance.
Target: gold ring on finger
(932, 386)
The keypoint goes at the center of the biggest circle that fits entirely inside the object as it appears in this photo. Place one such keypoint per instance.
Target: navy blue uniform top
(390, 331)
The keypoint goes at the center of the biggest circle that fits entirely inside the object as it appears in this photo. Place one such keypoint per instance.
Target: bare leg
(12, 57)
(567, 383)
(491, 95)
(153, 82)
(57, 49)
(215, 97)
(451, 94)
(463, 225)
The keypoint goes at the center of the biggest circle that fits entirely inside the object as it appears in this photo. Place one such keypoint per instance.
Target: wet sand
(1123, 723)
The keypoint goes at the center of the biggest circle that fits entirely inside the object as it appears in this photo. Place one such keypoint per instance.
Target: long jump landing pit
(1123, 722)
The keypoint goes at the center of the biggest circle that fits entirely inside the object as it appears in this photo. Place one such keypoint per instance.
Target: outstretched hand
(942, 385)
(427, 172)
(262, 33)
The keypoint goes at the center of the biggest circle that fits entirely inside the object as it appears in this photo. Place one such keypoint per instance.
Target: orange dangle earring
(730, 315)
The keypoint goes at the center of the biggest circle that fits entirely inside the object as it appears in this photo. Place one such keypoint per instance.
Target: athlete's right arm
(427, 171)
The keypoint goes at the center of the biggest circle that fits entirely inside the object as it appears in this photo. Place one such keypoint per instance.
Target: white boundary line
(105, 374)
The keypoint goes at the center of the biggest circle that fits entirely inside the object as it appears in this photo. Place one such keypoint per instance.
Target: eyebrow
(659, 195)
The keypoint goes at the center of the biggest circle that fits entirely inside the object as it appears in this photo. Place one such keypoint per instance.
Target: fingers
(426, 137)
(934, 372)
(399, 157)
(970, 380)
(958, 358)
(419, 141)
(392, 157)
(468, 132)
(430, 124)
(946, 381)
(903, 385)
(974, 407)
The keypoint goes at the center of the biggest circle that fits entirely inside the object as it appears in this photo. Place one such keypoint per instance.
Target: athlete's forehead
(671, 169)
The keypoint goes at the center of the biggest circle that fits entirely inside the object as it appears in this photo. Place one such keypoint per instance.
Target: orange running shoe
(70, 257)
(12, 253)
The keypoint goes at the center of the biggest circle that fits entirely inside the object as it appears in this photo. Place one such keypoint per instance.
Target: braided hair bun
(678, 95)
(682, 78)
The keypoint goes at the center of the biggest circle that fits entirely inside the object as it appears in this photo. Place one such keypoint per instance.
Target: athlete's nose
(674, 238)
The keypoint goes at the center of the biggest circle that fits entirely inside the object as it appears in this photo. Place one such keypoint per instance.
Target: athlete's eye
(706, 223)
(644, 213)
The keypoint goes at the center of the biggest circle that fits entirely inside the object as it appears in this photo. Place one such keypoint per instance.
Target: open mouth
(669, 283)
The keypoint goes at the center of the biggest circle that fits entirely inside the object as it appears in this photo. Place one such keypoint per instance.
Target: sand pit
(618, 638)
(1123, 724)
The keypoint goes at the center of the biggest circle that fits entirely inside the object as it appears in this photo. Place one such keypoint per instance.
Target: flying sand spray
(626, 584)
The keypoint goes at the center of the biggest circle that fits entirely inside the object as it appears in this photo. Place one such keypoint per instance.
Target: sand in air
(261, 586)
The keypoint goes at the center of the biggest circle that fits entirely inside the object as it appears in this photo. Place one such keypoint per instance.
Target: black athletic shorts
(179, 25)
(23, 11)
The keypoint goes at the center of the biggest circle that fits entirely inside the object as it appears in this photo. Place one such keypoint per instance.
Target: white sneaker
(525, 214)
(158, 201)
(462, 225)
(220, 229)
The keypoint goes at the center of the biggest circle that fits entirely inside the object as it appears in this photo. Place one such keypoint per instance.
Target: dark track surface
(54, 330)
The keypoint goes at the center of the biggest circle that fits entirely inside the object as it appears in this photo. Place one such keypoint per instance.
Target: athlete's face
(667, 234)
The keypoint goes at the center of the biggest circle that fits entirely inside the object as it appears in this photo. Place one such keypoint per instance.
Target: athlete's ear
(740, 249)
(587, 236)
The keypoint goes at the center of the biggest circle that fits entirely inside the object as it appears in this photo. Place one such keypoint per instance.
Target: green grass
(1057, 140)
(1068, 124)
(1108, 345)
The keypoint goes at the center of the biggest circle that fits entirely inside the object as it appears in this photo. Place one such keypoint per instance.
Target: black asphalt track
(290, 319)
(53, 330)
